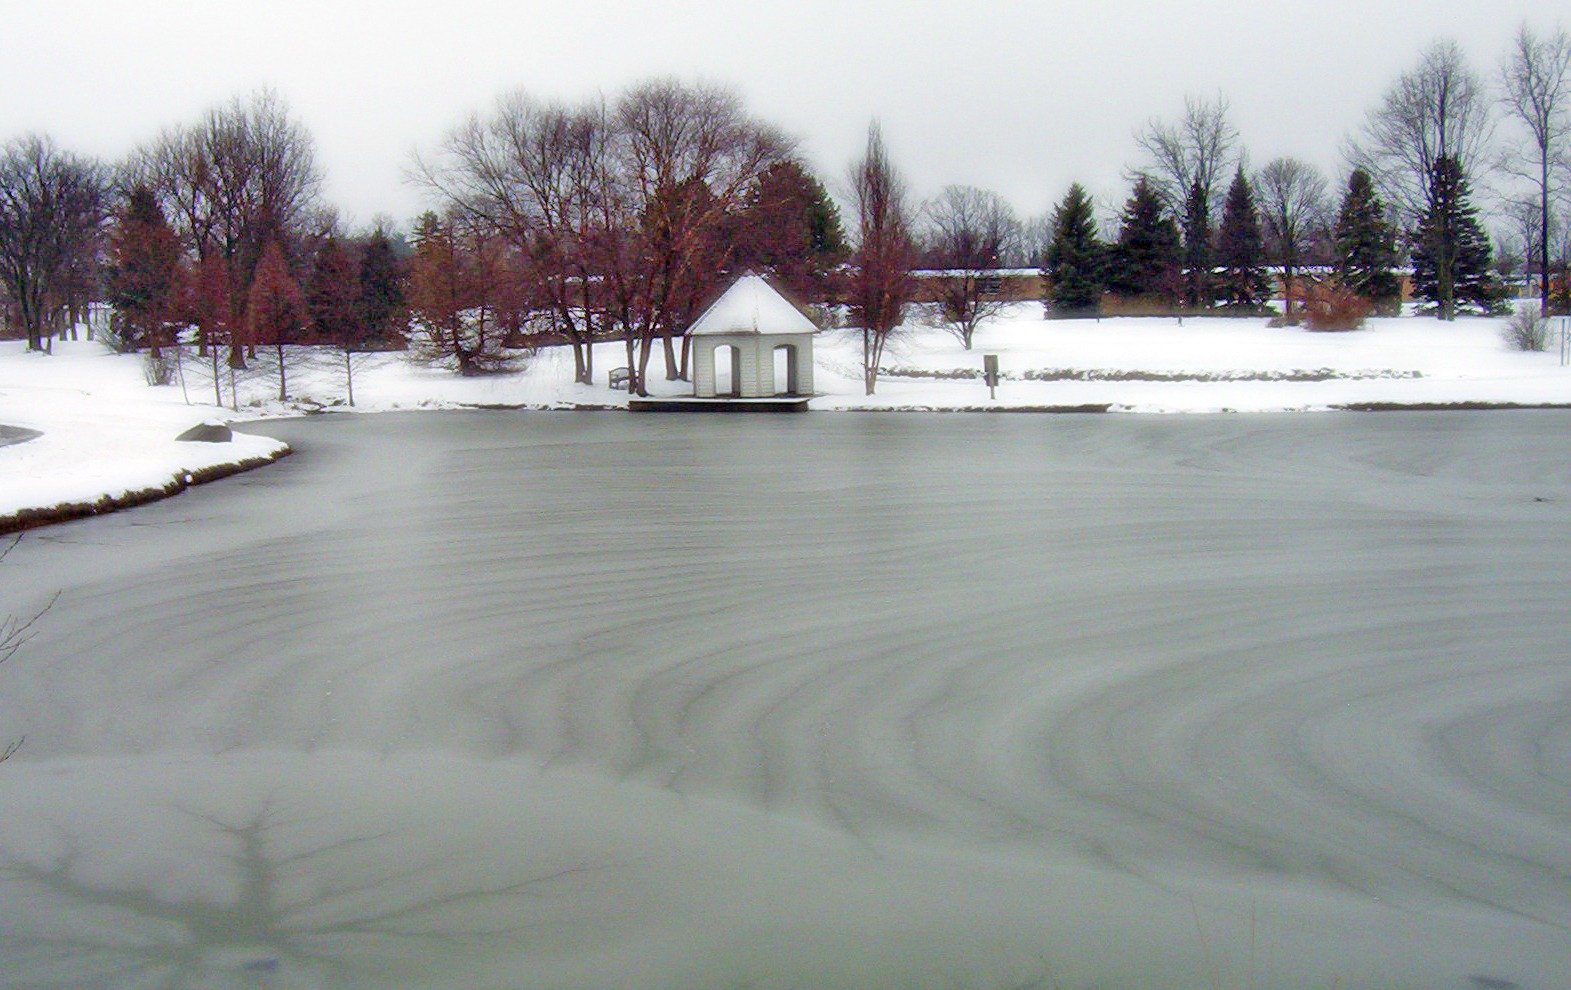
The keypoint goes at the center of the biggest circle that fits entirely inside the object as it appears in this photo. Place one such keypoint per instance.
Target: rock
(208, 433)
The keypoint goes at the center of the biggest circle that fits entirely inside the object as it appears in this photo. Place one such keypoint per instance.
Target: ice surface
(498, 699)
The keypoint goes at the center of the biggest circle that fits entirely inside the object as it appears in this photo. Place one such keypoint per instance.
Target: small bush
(115, 336)
(1331, 308)
(1526, 330)
(159, 370)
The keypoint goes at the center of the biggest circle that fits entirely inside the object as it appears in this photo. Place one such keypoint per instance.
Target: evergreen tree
(145, 273)
(1073, 266)
(381, 289)
(333, 296)
(1145, 261)
(1240, 250)
(1366, 246)
(1451, 255)
(1197, 247)
(789, 227)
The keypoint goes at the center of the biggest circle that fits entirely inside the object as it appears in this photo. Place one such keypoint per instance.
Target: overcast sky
(1023, 98)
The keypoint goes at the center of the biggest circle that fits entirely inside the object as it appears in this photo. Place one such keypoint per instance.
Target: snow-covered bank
(105, 439)
(1197, 365)
(108, 438)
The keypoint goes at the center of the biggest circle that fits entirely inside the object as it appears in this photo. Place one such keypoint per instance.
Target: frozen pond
(538, 700)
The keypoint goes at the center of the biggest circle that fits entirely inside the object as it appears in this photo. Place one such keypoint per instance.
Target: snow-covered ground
(103, 437)
(108, 435)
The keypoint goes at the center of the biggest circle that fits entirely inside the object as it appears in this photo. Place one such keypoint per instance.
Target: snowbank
(107, 438)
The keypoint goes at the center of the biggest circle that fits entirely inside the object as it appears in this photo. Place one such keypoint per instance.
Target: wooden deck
(688, 403)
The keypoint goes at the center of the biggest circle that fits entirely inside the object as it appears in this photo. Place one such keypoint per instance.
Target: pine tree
(1451, 255)
(145, 274)
(333, 296)
(1240, 251)
(1366, 246)
(1145, 261)
(791, 228)
(1073, 264)
(381, 289)
(1197, 247)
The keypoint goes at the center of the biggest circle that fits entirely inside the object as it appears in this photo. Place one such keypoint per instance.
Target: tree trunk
(671, 372)
(1543, 233)
(580, 372)
(349, 375)
(869, 361)
(646, 349)
(1445, 283)
(283, 379)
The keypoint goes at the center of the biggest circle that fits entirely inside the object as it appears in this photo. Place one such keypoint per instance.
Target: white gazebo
(752, 343)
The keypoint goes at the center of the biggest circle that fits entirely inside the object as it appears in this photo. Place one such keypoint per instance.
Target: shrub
(159, 369)
(1329, 307)
(1526, 330)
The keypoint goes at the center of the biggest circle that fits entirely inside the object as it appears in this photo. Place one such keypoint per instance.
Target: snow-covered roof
(751, 305)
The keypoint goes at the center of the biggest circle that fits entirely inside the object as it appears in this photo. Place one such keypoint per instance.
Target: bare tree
(53, 207)
(1537, 77)
(619, 209)
(969, 234)
(689, 155)
(532, 172)
(881, 280)
(1294, 205)
(1188, 160)
(1200, 147)
(1439, 109)
(243, 176)
(457, 282)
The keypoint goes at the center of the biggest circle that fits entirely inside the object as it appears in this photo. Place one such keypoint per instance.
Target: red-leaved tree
(275, 309)
(880, 284)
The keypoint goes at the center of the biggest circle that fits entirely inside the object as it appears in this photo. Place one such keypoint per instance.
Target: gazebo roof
(751, 305)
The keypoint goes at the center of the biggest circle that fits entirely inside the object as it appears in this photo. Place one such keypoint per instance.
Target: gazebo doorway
(728, 370)
(786, 381)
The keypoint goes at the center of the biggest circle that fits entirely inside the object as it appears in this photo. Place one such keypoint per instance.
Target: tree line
(617, 218)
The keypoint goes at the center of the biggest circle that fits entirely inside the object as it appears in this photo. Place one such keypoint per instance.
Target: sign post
(990, 373)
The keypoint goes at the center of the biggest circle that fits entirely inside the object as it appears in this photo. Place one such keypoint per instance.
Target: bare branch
(1437, 109)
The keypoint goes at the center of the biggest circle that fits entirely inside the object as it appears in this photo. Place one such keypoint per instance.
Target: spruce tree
(1145, 261)
(1240, 252)
(790, 227)
(381, 302)
(1073, 266)
(333, 296)
(1451, 255)
(1366, 246)
(1197, 247)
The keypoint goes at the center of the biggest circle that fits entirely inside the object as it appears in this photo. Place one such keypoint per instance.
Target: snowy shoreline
(106, 440)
